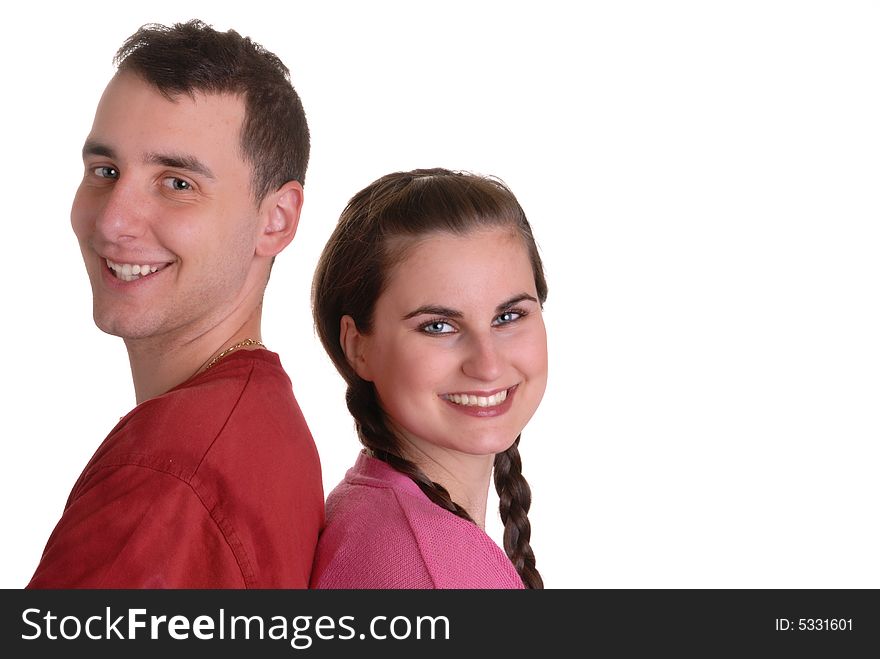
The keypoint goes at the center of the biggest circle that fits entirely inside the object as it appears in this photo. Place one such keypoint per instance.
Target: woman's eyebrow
(433, 310)
(436, 310)
(514, 300)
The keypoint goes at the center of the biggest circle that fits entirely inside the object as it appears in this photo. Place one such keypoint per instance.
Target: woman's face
(458, 351)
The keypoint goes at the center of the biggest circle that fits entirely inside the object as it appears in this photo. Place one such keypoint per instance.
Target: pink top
(382, 531)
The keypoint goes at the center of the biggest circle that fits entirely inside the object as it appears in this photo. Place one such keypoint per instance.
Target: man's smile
(130, 272)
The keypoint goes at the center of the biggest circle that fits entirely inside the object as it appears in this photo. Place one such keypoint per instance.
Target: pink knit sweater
(383, 532)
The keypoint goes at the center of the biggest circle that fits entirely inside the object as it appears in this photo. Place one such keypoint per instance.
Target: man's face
(164, 215)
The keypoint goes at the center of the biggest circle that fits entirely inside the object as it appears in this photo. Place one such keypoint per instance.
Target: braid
(434, 491)
(513, 490)
(381, 442)
(515, 499)
(376, 231)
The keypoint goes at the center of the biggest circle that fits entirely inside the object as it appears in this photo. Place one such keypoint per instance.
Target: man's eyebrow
(174, 160)
(180, 161)
(92, 148)
(433, 310)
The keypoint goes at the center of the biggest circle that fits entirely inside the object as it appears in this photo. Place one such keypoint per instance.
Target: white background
(702, 178)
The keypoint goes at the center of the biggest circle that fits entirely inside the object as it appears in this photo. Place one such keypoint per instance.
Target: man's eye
(105, 171)
(178, 184)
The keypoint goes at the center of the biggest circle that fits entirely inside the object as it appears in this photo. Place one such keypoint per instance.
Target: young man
(192, 185)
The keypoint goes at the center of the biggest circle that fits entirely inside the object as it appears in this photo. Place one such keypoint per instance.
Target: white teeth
(129, 271)
(479, 401)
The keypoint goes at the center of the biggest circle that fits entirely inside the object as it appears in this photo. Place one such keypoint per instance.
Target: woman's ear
(355, 346)
(279, 214)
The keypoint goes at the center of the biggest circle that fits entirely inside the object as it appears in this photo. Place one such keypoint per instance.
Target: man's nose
(120, 214)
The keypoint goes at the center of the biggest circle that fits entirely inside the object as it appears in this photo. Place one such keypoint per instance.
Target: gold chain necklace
(240, 344)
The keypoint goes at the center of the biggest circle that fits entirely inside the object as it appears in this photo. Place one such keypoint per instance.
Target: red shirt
(214, 484)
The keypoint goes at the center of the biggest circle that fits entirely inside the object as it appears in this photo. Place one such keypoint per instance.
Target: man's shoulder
(244, 407)
(245, 373)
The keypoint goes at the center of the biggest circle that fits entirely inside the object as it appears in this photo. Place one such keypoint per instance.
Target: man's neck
(159, 366)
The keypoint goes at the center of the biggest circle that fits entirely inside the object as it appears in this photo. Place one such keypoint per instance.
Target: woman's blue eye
(508, 317)
(438, 327)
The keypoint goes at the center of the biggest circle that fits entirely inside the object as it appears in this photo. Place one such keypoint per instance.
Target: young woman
(428, 299)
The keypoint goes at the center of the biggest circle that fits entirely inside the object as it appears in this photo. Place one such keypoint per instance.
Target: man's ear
(354, 345)
(279, 217)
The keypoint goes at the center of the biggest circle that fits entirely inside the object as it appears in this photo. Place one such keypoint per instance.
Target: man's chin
(122, 329)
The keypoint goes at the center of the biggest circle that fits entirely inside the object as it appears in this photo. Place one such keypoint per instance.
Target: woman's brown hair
(372, 236)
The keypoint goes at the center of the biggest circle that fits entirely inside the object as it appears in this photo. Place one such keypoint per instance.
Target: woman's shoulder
(373, 502)
(367, 541)
(382, 531)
